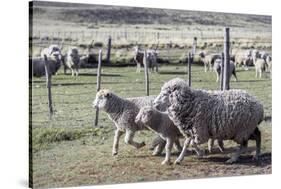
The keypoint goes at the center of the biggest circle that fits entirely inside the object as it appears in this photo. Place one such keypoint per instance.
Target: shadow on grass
(172, 73)
(265, 159)
(103, 75)
(251, 81)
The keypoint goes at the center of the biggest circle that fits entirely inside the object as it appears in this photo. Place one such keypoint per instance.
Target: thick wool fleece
(223, 115)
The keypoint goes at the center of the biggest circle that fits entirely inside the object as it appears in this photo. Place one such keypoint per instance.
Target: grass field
(69, 151)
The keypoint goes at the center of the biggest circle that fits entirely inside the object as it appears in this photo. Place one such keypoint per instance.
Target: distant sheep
(224, 115)
(160, 123)
(260, 63)
(123, 113)
(72, 61)
(151, 59)
(217, 69)
(53, 52)
(208, 60)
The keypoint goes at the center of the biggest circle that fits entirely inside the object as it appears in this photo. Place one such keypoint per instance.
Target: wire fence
(72, 97)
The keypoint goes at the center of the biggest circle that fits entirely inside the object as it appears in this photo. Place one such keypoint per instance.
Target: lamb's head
(145, 115)
(102, 99)
(162, 101)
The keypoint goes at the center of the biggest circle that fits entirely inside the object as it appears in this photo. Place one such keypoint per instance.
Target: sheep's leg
(169, 145)
(185, 145)
(234, 74)
(256, 73)
(221, 146)
(200, 153)
(72, 72)
(129, 139)
(157, 67)
(218, 76)
(178, 145)
(205, 67)
(257, 137)
(156, 141)
(159, 149)
(241, 150)
(64, 70)
(76, 72)
(210, 145)
(138, 67)
(117, 136)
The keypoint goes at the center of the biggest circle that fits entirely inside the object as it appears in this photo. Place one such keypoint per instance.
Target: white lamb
(161, 124)
(123, 113)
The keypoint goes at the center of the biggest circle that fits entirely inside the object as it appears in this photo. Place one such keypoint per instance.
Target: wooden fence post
(98, 84)
(108, 50)
(189, 62)
(226, 59)
(222, 71)
(48, 85)
(194, 46)
(146, 73)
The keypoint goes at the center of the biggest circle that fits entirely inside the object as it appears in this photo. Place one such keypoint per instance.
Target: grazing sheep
(217, 69)
(151, 59)
(260, 64)
(37, 66)
(209, 60)
(243, 60)
(123, 113)
(72, 61)
(160, 123)
(224, 115)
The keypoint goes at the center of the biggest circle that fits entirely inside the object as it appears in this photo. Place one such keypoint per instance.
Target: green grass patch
(42, 138)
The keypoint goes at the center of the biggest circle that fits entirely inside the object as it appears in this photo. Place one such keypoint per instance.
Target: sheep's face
(162, 102)
(145, 115)
(102, 99)
(57, 55)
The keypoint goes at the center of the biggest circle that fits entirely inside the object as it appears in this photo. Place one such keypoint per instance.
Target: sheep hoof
(157, 153)
(221, 150)
(177, 162)
(114, 153)
(141, 145)
(166, 162)
(231, 161)
(200, 154)
(257, 160)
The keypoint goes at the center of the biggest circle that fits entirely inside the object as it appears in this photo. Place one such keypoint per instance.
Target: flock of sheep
(179, 111)
(197, 116)
(72, 60)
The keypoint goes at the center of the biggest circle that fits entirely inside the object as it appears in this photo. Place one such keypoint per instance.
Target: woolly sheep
(225, 115)
(160, 123)
(217, 69)
(72, 61)
(260, 64)
(37, 66)
(123, 113)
